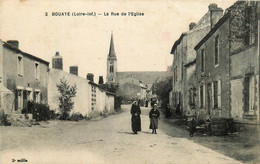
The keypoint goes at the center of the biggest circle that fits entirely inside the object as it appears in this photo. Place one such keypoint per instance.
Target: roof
(213, 30)
(112, 52)
(190, 63)
(10, 47)
(177, 42)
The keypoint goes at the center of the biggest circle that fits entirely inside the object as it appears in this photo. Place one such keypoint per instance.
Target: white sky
(141, 43)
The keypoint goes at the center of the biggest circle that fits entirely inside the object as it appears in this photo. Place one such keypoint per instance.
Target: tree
(110, 87)
(162, 88)
(67, 92)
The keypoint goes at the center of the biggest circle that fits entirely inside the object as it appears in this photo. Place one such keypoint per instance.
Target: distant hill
(146, 77)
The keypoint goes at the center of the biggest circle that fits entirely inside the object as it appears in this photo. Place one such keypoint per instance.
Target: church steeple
(112, 52)
(111, 62)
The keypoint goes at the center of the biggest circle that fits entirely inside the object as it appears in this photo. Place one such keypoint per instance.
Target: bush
(4, 120)
(76, 117)
(67, 92)
(42, 112)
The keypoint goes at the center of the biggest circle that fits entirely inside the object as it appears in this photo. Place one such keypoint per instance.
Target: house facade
(24, 76)
(227, 66)
(184, 54)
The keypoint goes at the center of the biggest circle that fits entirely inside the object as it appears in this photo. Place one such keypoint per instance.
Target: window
(37, 71)
(20, 65)
(217, 50)
(201, 96)
(93, 97)
(251, 93)
(202, 61)
(175, 74)
(217, 94)
(111, 69)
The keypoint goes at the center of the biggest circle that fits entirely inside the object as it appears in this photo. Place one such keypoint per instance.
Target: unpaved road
(108, 140)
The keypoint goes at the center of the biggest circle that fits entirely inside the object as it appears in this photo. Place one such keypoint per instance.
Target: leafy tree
(162, 88)
(67, 92)
(110, 87)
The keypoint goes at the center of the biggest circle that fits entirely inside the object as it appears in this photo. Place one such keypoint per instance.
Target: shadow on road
(126, 133)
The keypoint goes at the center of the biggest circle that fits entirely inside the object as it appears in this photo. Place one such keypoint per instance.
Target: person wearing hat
(154, 115)
(136, 119)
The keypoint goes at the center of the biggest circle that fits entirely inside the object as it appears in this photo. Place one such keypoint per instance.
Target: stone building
(23, 77)
(228, 65)
(183, 85)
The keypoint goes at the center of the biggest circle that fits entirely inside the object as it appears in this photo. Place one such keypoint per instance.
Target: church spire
(112, 52)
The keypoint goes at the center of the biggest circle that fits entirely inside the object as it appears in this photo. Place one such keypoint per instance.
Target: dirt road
(109, 140)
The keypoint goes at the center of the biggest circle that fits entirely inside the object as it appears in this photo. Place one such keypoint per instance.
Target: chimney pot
(90, 77)
(74, 70)
(192, 25)
(14, 43)
(57, 62)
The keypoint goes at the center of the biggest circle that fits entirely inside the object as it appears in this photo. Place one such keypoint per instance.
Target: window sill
(20, 75)
(216, 65)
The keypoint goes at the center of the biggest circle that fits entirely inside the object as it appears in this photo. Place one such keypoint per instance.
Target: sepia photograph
(129, 82)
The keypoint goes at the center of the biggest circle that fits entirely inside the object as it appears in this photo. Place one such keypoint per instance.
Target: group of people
(154, 115)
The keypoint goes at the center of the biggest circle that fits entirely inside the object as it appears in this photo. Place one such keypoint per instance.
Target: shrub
(76, 117)
(67, 92)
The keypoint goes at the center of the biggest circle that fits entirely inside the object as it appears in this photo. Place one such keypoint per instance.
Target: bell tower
(111, 63)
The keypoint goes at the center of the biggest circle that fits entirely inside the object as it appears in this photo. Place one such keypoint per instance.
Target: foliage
(243, 20)
(3, 119)
(67, 92)
(76, 117)
(110, 87)
(162, 88)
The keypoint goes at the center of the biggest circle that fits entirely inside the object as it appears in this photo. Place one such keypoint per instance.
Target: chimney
(215, 14)
(74, 70)
(14, 43)
(100, 81)
(90, 77)
(57, 61)
(191, 26)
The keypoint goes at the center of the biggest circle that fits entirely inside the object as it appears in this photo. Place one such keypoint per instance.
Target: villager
(136, 119)
(146, 103)
(167, 111)
(154, 115)
(178, 110)
(192, 123)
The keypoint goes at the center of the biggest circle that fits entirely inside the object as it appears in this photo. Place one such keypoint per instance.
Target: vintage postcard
(136, 82)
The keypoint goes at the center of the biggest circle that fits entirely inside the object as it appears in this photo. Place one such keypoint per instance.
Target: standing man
(192, 116)
(136, 119)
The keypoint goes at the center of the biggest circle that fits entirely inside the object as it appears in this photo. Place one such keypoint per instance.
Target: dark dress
(136, 119)
(154, 115)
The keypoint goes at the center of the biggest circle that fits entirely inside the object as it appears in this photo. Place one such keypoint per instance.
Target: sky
(142, 43)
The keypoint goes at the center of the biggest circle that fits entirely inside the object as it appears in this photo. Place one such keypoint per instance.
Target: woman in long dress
(154, 115)
(136, 119)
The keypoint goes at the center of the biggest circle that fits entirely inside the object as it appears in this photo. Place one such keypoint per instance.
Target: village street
(108, 140)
